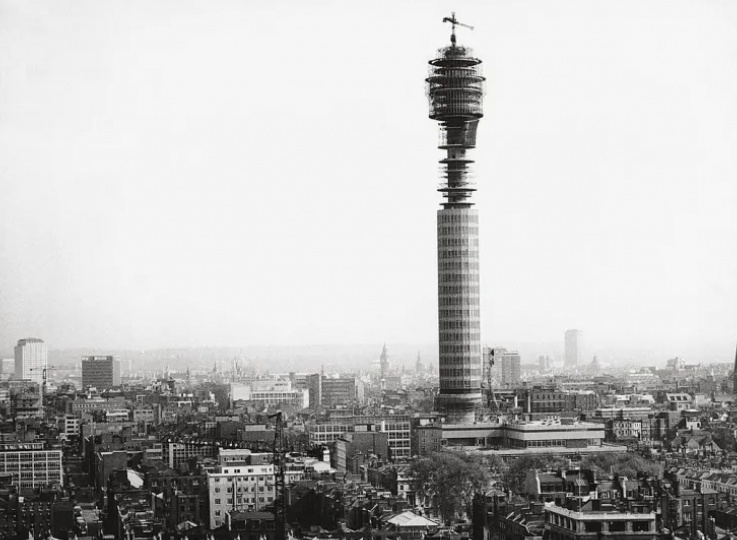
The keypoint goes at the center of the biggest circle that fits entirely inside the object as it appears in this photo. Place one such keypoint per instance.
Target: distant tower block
(573, 345)
(455, 90)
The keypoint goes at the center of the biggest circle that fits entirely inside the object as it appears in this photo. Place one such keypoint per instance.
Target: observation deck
(455, 92)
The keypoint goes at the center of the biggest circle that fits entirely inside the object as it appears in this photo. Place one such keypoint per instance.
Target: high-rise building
(455, 90)
(101, 372)
(573, 340)
(544, 362)
(330, 391)
(504, 367)
(31, 359)
(510, 363)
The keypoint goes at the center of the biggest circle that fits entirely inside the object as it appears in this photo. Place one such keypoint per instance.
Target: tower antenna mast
(455, 22)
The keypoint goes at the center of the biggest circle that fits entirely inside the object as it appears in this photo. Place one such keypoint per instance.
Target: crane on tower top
(455, 22)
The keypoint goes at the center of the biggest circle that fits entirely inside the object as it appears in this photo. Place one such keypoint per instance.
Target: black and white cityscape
(368, 271)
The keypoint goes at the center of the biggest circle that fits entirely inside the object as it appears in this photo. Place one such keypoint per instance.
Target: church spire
(384, 361)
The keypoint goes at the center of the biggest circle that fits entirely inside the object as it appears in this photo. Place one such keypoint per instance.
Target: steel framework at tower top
(455, 91)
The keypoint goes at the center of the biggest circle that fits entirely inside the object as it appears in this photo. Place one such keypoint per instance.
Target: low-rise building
(270, 392)
(352, 450)
(551, 436)
(242, 481)
(177, 454)
(591, 523)
(70, 425)
(30, 465)
(426, 435)
(397, 427)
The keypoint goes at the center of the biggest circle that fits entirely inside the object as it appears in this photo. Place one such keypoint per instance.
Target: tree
(624, 463)
(516, 473)
(450, 480)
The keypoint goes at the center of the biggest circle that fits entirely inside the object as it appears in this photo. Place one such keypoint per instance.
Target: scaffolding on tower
(455, 91)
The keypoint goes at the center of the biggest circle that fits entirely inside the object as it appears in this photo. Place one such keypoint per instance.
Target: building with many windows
(542, 400)
(101, 372)
(242, 481)
(329, 391)
(426, 435)
(512, 439)
(269, 392)
(178, 453)
(30, 465)
(564, 524)
(573, 344)
(31, 359)
(26, 400)
(509, 365)
(397, 428)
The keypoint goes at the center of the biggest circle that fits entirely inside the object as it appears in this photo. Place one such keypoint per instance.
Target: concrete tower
(455, 90)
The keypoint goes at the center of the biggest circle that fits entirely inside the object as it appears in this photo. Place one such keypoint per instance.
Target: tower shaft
(459, 321)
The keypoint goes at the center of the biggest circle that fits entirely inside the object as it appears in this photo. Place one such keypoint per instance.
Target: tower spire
(384, 361)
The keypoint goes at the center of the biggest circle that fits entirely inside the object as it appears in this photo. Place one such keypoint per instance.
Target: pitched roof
(410, 519)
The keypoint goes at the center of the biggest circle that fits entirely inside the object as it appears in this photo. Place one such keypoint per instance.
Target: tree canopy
(624, 463)
(514, 478)
(449, 479)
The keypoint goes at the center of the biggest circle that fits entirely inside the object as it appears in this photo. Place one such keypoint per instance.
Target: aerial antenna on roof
(454, 22)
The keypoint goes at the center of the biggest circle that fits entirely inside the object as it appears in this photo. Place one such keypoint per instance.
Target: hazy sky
(177, 173)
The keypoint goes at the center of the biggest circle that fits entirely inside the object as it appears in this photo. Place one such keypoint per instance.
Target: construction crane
(43, 376)
(489, 363)
(279, 468)
(454, 22)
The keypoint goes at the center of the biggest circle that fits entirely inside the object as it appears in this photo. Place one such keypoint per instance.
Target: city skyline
(157, 195)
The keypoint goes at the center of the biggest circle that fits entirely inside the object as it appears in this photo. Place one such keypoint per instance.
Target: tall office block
(510, 362)
(31, 359)
(455, 90)
(573, 343)
(101, 372)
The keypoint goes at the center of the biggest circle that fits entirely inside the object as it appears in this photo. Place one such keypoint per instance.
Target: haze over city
(367, 271)
(190, 174)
